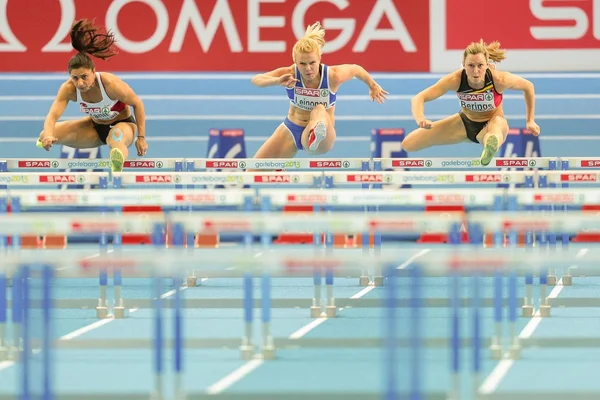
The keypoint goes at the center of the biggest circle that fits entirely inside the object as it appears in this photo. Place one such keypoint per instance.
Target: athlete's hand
(141, 146)
(48, 141)
(425, 124)
(377, 93)
(533, 128)
(287, 80)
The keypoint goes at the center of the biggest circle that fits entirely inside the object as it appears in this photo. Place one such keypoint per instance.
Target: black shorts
(103, 130)
(473, 128)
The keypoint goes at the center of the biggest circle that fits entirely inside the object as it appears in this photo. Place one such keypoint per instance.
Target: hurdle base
(331, 311)
(191, 281)
(268, 352)
(119, 312)
(3, 354)
(378, 280)
(496, 352)
(101, 312)
(514, 352)
(567, 280)
(246, 352)
(364, 281)
(545, 311)
(316, 312)
(551, 280)
(527, 311)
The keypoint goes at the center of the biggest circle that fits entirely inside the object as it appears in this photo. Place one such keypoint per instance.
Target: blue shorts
(295, 131)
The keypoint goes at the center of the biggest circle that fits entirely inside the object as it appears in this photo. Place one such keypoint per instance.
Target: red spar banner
(218, 35)
(540, 35)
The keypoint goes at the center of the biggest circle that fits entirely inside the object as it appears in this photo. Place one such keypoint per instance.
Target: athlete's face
(83, 78)
(475, 65)
(308, 65)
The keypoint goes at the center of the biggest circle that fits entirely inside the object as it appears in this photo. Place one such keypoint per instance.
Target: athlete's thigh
(449, 130)
(79, 133)
(122, 132)
(281, 144)
(497, 124)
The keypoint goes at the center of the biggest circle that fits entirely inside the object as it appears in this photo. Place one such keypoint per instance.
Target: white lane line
(234, 376)
(97, 324)
(224, 383)
(491, 383)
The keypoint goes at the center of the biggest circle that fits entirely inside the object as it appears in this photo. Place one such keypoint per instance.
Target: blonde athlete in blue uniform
(102, 96)
(479, 88)
(311, 88)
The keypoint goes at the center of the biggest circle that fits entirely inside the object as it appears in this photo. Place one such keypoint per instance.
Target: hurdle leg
(544, 305)
(496, 344)
(476, 341)
(515, 345)
(119, 308)
(268, 347)
(247, 348)
(455, 338)
(157, 393)
(178, 340)
(377, 275)
(390, 329)
(330, 308)
(364, 279)
(17, 316)
(3, 314)
(102, 307)
(316, 309)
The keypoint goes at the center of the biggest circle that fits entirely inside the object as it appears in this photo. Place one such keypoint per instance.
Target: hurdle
(457, 262)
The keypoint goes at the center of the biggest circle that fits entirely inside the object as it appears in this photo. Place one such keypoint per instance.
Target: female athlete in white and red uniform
(479, 87)
(311, 88)
(102, 96)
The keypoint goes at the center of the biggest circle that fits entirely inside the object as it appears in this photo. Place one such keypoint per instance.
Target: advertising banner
(539, 35)
(217, 35)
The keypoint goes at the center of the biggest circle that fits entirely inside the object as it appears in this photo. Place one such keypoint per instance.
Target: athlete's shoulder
(67, 91)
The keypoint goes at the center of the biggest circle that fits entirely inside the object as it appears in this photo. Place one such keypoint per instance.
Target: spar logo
(37, 164)
(225, 164)
(307, 198)
(490, 178)
(199, 198)
(369, 178)
(329, 164)
(516, 163)
(560, 198)
(61, 179)
(276, 179)
(143, 164)
(444, 198)
(412, 163)
(579, 178)
(60, 198)
(157, 178)
(302, 91)
(487, 96)
(590, 163)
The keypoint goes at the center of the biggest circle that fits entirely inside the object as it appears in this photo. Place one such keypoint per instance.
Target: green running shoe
(116, 160)
(489, 150)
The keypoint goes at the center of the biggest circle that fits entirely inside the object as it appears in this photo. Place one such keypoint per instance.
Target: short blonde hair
(313, 40)
(492, 51)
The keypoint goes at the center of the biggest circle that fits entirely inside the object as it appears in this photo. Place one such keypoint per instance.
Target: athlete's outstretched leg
(492, 137)
(119, 139)
(319, 135)
(79, 134)
(449, 130)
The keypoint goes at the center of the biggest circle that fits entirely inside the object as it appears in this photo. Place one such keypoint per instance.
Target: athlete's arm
(505, 80)
(117, 89)
(446, 84)
(345, 72)
(65, 93)
(281, 76)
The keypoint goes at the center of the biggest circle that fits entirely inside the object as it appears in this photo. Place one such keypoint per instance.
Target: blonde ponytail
(313, 40)
(492, 51)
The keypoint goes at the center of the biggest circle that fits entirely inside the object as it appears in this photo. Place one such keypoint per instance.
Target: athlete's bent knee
(410, 143)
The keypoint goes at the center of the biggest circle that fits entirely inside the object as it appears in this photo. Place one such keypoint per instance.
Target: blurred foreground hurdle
(458, 262)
